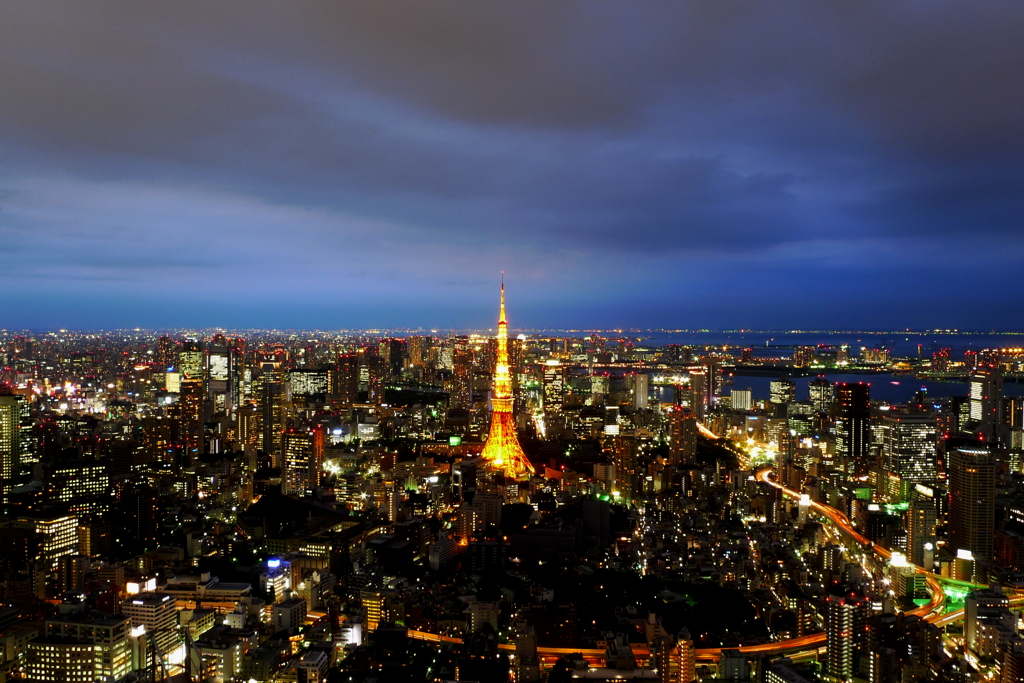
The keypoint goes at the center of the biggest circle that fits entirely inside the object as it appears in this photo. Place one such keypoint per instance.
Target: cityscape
(509, 342)
(312, 507)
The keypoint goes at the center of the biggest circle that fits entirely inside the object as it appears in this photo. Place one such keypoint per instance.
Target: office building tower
(81, 649)
(166, 353)
(803, 356)
(626, 465)
(10, 444)
(345, 382)
(378, 374)
(303, 460)
(157, 613)
(910, 446)
(188, 413)
(853, 427)
(988, 622)
(554, 388)
(190, 360)
(696, 394)
(309, 384)
(781, 391)
(461, 394)
(846, 617)
(273, 400)
(921, 538)
(82, 486)
(223, 376)
(987, 403)
(713, 384)
(742, 399)
(972, 499)
(821, 394)
(502, 449)
(640, 388)
(682, 448)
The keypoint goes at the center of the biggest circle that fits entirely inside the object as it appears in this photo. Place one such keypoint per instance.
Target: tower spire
(502, 449)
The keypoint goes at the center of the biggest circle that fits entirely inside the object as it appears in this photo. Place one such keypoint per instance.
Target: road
(803, 647)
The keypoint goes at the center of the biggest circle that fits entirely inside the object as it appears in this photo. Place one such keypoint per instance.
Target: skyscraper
(821, 394)
(303, 459)
(987, 403)
(853, 426)
(189, 414)
(502, 449)
(781, 391)
(846, 633)
(554, 389)
(10, 444)
(462, 375)
(972, 500)
(920, 531)
(640, 385)
(910, 446)
(682, 447)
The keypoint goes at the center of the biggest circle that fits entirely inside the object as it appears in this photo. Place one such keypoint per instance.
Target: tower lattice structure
(502, 449)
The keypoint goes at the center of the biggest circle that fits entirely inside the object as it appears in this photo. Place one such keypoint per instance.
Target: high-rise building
(158, 614)
(83, 486)
(742, 399)
(10, 444)
(846, 617)
(190, 360)
(696, 394)
(921, 520)
(188, 412)
(821, 394)
(987, 404)
(309, 383)
(910, 446)
(682, 448)
(303, 460)
(554, 388)
(972, 500)
(502, 449)
(222, 377)
(853, 426)
(461, 395)
(781, 391)
(640, 387)
(378, 374)
(81, 649)
(345, 382)
(59, 531)
(273, 402)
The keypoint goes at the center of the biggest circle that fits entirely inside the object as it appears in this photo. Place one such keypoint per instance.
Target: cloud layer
(628, 164)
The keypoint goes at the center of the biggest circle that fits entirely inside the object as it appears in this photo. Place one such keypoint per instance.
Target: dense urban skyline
(375, 165)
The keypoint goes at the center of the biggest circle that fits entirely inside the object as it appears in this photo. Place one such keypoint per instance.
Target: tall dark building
(682, 447)
(821, 394)
(846, 633)
(853, 426)
(972, 500)
(345, 380)
(987, 404)
(189, 419)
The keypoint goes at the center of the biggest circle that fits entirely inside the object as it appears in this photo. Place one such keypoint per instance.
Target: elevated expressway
(804, 647)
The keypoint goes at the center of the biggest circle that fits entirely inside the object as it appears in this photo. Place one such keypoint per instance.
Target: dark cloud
(582, 144)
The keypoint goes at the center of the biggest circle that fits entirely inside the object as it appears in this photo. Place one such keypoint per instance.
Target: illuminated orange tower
(502, 449)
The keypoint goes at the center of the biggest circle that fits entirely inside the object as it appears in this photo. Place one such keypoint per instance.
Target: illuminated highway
(802, 648)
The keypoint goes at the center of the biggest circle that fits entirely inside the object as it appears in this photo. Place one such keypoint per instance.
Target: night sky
(635, 164)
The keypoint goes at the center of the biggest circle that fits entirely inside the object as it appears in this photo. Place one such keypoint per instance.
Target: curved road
(796, 646)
